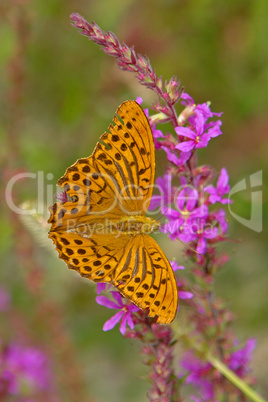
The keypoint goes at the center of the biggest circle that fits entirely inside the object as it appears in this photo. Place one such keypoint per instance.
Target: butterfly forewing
(129, 157)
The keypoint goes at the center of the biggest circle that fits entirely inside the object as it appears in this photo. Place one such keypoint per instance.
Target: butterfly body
(102, 231)
(131, 225)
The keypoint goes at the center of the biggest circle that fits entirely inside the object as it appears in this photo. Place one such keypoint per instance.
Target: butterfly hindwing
(149, 280)
(136, 266)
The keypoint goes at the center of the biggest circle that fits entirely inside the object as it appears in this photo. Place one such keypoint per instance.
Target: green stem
(224, 370)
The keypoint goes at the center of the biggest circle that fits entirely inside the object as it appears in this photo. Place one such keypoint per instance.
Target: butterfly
(101, 230)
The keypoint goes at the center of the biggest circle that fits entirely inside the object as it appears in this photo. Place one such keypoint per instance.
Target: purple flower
(187, 206)
(125, 312)
(23, 368)
(241, 358)
(187, 100)
(204, 108)
(181, 220)
(202, 231)
(220, 217)
(199, 134)
(221, 189)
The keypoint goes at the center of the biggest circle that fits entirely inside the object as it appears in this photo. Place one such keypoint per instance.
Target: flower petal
(191, 201)
(215, 130)
(184, 156)
(139, 100)
(223, 179)
(117, 297)
(171, 156)
(130, 321)
(210, 189)
(111, 323)
(185, 146)
(123, 325)
(201, 246)
(186, 132)
(100, 287)
(185, 295)
(175, 266)
(104, 301)
(200, 212)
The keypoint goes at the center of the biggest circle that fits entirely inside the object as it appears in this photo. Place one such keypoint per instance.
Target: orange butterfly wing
(114, 183)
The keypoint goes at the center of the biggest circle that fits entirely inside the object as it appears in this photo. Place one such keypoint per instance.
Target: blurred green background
(58, 95)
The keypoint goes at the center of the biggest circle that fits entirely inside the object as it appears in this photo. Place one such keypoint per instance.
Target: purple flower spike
(221, 189)
(125, 313)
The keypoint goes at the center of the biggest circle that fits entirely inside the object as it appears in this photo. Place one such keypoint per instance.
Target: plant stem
(231, 376)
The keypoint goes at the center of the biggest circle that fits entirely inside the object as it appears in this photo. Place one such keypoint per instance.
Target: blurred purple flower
(23, 369)
(240, 359)
(125, 312)
(183, 295)
(175, 266)
(221, 189)
(199, 374)
(4, 299)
